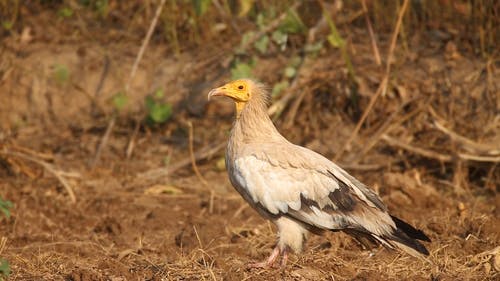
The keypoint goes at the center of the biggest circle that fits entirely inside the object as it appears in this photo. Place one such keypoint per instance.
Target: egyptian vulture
(298, 189)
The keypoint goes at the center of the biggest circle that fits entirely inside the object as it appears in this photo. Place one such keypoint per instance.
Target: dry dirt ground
(149, 217)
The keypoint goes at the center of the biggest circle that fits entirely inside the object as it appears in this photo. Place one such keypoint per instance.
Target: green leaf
(157, 112)
(314, 48)
(261, 21)
(280, 38)
(295, 61)
(334, 37)
(85, 3)
(241, 70)
(149, 102)
(160, 112)
(120, 100)
(102, 7)
(166, 160)
(278, 88)
(65, 12)
(159, 94)
(5, 206)
(244, 41)
(61, 73)
(7, 25)
(201, 6)
(292, 23)
(245, 7)
(290, 72)
(261, 44)
(4, 268)
(335, 40)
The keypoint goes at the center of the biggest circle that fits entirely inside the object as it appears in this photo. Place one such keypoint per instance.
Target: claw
(270, 261)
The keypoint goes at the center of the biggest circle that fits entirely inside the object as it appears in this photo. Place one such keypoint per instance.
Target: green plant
(292, 23)
(337, 41)
(4, 269)
(119, 101)
(7, 25)
(157, 111)
(278, 88)
(99, 6)
(201, 6)
(102, 7)
(5, 206)
(61, 73)
(242, 70)
(65, 12)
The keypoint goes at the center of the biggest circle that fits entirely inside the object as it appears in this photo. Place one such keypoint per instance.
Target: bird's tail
(406, 238)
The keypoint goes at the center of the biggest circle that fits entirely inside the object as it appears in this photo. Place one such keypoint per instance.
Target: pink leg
(272, 259)
(284, 258)
(267, 263)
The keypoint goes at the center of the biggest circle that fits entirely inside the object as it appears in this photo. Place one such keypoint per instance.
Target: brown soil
(134, 221)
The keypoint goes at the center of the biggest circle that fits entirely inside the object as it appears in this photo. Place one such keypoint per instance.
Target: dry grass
(429, 145)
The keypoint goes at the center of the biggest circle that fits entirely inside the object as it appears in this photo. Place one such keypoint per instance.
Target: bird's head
(241, 92)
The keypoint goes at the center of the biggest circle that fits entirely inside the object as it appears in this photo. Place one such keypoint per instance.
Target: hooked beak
(217, 92)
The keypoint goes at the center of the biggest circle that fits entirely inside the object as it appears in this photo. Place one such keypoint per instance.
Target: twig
(100, 84)
(479, 158)
(383, 86)
(191, 155)
(94, 104)
(436, 155)
(200, 245)
(277, 107)
(376, 53)
(104, 74)
(416, 150)
(394, 37)
(104, 141)
(224, 14)
(131, 143)
(203, 153)
(388, 126)
(41, 155)
(468, 144)
(58, 174)
(3, 242)
(328, 12)
(145, 43)
(138, 58)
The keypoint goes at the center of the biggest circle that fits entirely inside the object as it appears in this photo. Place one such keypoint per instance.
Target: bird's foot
(271, 260)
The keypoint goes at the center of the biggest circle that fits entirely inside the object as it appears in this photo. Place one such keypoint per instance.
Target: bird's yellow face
(239, 91)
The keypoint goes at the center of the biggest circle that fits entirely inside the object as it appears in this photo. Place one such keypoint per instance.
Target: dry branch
(383, 85)
(376, 53)
(138, 58)
(157, 173)
(60, 175)
(436, 155)
(388, 126)
(417, 150)
(467, 144)
(191, 155)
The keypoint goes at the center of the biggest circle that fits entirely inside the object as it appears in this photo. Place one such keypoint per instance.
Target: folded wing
(301, 184)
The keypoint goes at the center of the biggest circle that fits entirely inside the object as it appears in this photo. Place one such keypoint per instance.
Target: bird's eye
(240, 87)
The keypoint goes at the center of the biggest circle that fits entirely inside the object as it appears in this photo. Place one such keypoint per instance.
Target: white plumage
(298, 189)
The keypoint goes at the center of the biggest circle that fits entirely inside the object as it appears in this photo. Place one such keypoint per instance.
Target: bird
(299, 190)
